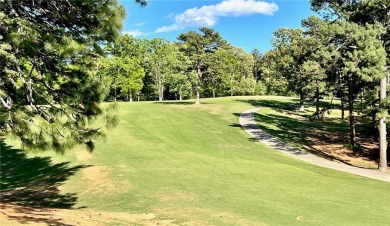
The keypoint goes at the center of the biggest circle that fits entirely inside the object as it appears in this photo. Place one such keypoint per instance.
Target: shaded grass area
(192, 165)
(290, 125)
(33, 182)
(281, 118)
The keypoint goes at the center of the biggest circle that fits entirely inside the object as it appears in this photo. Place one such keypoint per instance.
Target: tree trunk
(382, 130)
(115, 85)
(180, 98)
(130, 96)
(213, 93)
(160, 90)
(138, 98)
(352, 133)
(114, 93)
(301, 104)
(255, 72)
(361, 101)
(342, 105)
(198, 85)
(374, 129)
(341, 95)
(231, 87)
(317, 101)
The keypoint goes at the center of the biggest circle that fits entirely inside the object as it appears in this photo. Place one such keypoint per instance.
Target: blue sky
(244, 23)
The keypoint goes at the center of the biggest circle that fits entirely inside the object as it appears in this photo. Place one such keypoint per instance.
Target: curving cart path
(248, 123)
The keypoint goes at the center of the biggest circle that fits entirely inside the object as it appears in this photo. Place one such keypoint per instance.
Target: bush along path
(248, 123)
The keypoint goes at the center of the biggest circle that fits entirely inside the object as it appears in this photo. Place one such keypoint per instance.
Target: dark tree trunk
(342, 100)
(114, 93)
(352, 133)
(361, 101)
(255, 73)
(301, 102)
(231, 87)
(317, 101)
(342, 106)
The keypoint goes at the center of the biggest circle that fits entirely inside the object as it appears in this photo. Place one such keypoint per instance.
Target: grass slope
(194, 165)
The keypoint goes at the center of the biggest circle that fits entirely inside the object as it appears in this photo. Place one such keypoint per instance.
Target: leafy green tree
(47, 93)
(233, 67)
(314, 74)
(293, 49)
(181, 83)
(271, 75)
(124, 66)
(128, 46)
(182, 78)
(239, 65)
(161, 60)
(198, 47)
(131, 78)
(126, 74)
(318, 69)
(257, 57)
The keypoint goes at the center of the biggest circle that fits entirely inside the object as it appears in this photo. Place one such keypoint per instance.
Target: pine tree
(367, 12)
(49, 96)
(197, 47)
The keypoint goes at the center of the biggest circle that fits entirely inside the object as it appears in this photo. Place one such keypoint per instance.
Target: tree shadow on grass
(29, 183)
(277, 105)
(295, 131)
(315, 136)
(176, 102)
(307, 134)
(288, 105)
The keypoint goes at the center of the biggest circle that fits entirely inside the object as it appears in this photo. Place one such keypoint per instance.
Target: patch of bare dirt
(100, 183)
(98, 177)
(333, 145)
(178, 197)
(11, 215)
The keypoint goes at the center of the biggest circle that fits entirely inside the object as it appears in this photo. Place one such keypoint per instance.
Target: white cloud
(134, 33)
(139, 24)
(163, 29)
(208, 15)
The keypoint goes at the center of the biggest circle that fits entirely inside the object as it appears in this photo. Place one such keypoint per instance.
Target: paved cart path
(248, 123)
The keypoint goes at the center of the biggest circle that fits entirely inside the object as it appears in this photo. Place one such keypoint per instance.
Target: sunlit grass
(193, 164)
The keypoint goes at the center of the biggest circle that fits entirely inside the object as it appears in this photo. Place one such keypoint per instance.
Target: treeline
(197, 65)
(343, 55)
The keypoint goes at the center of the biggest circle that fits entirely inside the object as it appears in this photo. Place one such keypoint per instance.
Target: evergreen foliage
(49, 97)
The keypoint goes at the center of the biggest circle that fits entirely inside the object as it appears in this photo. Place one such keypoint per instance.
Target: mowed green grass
(194, 165)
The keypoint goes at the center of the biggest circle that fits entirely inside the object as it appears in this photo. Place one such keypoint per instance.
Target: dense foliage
(56, 68)
(48, 95)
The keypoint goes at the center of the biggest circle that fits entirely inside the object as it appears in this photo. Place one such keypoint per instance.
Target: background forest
(56, 68)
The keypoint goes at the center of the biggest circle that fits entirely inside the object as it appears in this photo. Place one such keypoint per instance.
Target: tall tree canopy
(161, 59)
(367, 12)
(124, 65)
(197, 47)
(48, 95)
